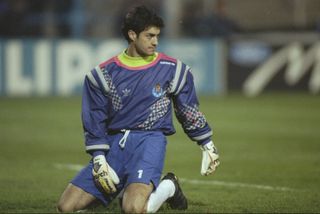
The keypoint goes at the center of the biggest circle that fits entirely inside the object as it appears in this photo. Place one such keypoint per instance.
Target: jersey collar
(137, 63)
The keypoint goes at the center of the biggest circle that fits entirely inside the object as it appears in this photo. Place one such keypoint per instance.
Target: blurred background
(248, 46)
(256, 66)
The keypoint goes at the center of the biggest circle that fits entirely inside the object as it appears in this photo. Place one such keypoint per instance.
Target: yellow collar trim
(136, 61)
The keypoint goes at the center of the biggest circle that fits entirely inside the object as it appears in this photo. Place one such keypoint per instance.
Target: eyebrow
(153, 34)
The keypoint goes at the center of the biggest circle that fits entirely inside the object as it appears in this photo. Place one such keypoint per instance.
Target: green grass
(272, 141)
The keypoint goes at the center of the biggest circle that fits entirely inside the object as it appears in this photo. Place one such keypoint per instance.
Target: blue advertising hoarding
(57, 67)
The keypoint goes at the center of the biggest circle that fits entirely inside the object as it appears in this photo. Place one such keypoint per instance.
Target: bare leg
(135, 198)
(74, 199)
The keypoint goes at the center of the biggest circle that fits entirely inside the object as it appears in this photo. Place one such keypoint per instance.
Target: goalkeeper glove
(104, 176)
(210, 158)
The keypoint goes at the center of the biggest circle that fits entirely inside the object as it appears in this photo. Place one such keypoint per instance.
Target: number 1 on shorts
(140, 171)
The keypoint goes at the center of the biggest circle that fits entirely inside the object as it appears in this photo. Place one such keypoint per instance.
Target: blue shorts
(140, 161)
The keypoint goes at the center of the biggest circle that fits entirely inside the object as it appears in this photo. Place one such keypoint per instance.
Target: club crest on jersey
(157, 91)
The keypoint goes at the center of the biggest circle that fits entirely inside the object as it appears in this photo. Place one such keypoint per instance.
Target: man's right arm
(94, 121)
(94, 114)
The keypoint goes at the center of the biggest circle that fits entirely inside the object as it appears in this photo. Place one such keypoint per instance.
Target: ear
(132, 35)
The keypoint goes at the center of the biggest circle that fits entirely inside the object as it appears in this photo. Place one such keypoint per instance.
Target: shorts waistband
(122, 131)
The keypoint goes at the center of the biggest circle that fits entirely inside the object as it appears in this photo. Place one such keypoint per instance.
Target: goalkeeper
(126, 114)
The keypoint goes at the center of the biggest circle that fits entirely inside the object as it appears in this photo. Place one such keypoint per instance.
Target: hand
(210, 159)
(104, 176)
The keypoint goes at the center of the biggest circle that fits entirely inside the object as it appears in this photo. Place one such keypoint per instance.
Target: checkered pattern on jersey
(191, 117)
(158, 110)
(113, 94)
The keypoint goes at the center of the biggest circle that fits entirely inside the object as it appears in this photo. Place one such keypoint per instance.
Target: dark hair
(138, 19)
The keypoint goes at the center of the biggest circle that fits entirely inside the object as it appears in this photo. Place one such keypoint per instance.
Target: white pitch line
(78, 167)
(234, 184)
(73, 167)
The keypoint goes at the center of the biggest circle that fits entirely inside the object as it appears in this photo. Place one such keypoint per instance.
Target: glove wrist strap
(99, 159)
(207, 146)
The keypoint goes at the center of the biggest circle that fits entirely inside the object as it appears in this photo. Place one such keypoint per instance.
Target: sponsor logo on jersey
(167, 63)
(157, 91)
(126, 92)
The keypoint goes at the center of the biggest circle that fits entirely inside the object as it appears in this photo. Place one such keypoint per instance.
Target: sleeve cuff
(204, 142)
(98, 147)
(96, 153)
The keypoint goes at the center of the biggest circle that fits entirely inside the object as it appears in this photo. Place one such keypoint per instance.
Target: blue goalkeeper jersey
(135, 93)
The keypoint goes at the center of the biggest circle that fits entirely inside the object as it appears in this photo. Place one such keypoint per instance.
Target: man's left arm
(194, 124)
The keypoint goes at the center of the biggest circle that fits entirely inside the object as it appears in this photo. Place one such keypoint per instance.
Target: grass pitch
(269, 147)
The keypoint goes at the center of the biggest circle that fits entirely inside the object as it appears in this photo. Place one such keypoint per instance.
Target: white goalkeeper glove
(210, 158)
(104, 176)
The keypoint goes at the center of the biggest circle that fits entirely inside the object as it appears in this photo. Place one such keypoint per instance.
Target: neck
(132, 51)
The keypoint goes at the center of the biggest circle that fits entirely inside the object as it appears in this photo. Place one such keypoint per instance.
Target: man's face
(147, 41)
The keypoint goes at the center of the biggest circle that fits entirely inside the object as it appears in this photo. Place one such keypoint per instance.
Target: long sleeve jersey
(119, 94)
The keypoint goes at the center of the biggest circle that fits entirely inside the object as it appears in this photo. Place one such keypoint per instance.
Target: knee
(135, 198)
(133, 208)
(64, 207)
